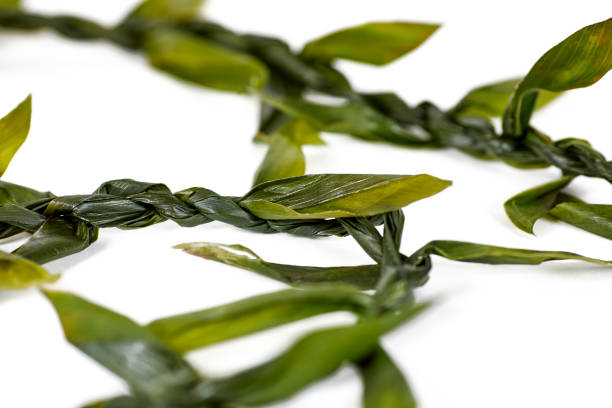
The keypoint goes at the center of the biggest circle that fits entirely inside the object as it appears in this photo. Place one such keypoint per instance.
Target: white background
(501, 337)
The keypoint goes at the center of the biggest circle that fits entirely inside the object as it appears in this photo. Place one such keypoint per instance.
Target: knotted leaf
(14, 129)
(205, 63)
(372, 43)
(191, 331)
(578, 61)
(17, 272)
(338, 195)
(594, 218)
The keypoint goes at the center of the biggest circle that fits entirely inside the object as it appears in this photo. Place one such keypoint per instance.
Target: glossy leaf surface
(338, 195)
(372, 43)
(594, 218)
(578, 61)
(14, 129)
(315, 356)
(190, 331)
(526, 208)
(202, 62)
(17, 272)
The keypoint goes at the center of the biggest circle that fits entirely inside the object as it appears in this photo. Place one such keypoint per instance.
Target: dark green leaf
(16, 194)
(526, 208)
(372, 43)
(196, 60)
(190, 331)
(172, 10)
(312, 358)
(491, 100)
(478, 253)
(17, 272)
(153, 371)
(338, 195)
(362, 276)
(14, 129)
(384, 384)
(595, 218)
(578, 61)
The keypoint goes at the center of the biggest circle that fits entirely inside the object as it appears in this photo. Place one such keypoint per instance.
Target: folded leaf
(191, 331)
(362, 276)
(578, 61)
(384, 384)
(196, 60)
(594, 218)
(153, 371)
(16, 194)
(14, 129)
(478, 253)
(312, 358)
(338, 195)
(491, 100)
(372, 43)
(171, 10)
(526, 208)
(17, 272)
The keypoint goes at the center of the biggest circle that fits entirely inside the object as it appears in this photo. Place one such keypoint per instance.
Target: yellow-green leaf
(578, 61)
(171, 10)
(372, 43)
(14, 129)
(338, 195)
(202, 62)
(17, 272)
(594, 218)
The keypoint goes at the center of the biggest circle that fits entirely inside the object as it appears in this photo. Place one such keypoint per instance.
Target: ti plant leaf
(491, 100)
(14, 129)
(315, 356)
(154, 373)
(17, 272)
(494, 255)
(338, 195)
(594, 218)
(384, 383)
(285, 158)
(578, 61)
(191, 331)
(362, 276)
(372, 43)
(202, 62)
(526, 208)
(170, 10)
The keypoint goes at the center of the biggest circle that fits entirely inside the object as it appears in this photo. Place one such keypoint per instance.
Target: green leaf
(594, 218)
(132, 352)
(196, 60)
(17, 272)
(15, 194)
(494, 255)
(372, 43)
(338, 195)
(362, 276)
(191, 331)
(171, 10)
(14, 129)
(491, 100)
(526, 208)
(353, 118)
(578, 61)
(285, 158)
(315, 356)
(384, 384)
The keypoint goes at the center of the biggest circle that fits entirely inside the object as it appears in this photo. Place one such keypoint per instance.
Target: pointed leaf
(525, 208)
(372, 43)
(17, 272)
(170, 10)
(191, 331)
(315, 356)
(595, 218)
(15, 194)
(578, 61)
(202, 62)
(338, 195)
(478, 253)
(362, 276)
(130, 351)
(14, 129)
